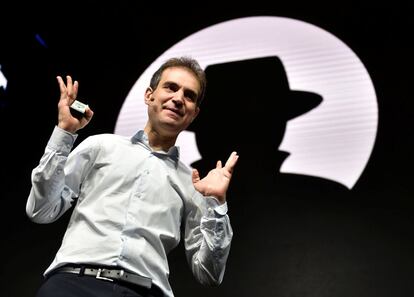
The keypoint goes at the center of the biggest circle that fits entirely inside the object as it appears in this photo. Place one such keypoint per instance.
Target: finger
(70, 88)
(74, 94)
(219, 165)
(75, 88)
(195, 176)
(69, 82)
(231, 162)
(88, 113)
(62, 86)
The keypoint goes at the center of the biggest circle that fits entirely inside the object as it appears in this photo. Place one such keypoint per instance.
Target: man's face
(172, 105)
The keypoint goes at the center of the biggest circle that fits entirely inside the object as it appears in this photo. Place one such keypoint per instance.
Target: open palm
(217, 181)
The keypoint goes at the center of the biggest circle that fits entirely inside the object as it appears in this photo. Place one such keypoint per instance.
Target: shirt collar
(142, 138)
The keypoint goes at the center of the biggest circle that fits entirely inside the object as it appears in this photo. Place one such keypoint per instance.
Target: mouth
(175, 111)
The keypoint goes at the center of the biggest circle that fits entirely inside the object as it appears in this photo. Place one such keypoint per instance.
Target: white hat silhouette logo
(333, 141)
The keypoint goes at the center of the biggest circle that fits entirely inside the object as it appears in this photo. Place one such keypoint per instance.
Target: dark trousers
(72, 285)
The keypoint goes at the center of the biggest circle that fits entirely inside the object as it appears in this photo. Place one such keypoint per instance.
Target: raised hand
(68, 93)
(217, 180)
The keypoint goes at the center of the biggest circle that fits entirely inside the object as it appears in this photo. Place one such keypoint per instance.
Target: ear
(148, 95)
(197, 111)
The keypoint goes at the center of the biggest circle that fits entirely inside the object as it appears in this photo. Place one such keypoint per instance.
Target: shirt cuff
(214, 208)
(62, 140)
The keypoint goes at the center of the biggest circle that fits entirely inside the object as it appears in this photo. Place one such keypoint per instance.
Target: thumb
(195, 176)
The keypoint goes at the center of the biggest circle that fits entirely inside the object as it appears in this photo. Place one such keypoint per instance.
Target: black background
(322, 240)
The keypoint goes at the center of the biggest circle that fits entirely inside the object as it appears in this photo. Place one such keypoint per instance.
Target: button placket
(140, 182)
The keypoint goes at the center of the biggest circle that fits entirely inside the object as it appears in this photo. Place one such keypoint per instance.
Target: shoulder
(104, 140)
(107, 138)
(184, 169)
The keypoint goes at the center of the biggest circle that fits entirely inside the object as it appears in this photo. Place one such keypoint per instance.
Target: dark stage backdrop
(294, 235)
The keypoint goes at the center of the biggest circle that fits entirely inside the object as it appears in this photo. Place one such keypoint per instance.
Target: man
(133, 196)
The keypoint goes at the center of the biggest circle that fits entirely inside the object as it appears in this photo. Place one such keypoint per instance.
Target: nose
(178, 98)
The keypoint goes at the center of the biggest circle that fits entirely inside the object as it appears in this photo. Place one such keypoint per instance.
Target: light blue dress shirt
(131, 202)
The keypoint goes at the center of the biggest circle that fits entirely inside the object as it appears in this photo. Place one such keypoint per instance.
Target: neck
(159, 141)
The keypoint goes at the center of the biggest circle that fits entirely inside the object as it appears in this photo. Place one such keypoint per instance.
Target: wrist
(67, 128)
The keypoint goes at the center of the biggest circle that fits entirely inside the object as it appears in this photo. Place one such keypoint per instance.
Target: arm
(208, 232)
(53, 185)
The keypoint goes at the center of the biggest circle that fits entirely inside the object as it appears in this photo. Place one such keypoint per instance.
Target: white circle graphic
(333, 141)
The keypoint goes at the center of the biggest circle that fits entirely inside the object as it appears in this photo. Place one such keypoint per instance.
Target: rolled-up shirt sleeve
(207, 238)
(54, 186)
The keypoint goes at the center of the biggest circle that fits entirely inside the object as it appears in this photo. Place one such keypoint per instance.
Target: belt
(110, 275)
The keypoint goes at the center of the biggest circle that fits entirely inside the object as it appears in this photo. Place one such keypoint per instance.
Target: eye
(190, 95)
(171, 87)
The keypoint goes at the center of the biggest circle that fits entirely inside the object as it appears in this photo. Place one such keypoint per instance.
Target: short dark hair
(185, 62)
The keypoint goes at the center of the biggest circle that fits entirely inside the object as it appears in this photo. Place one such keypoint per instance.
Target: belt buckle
(98, 275)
